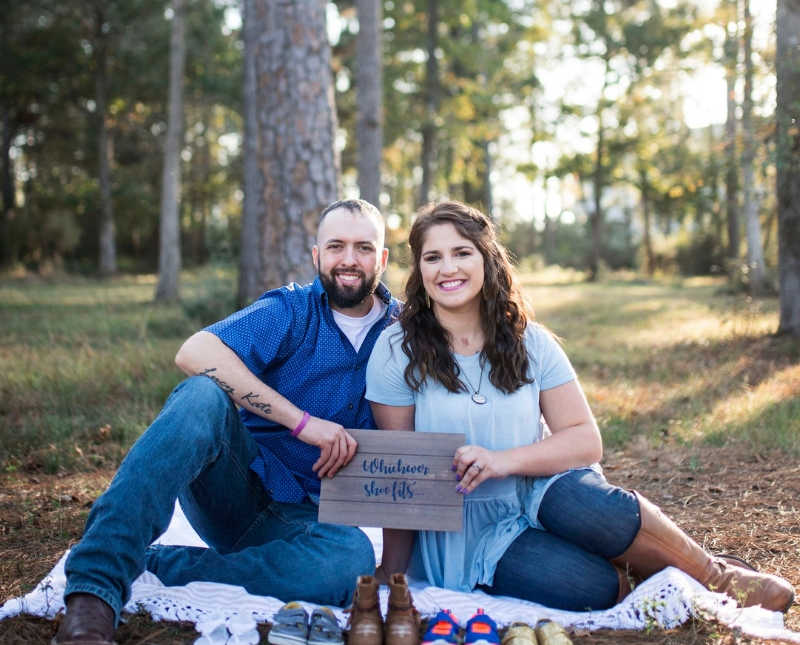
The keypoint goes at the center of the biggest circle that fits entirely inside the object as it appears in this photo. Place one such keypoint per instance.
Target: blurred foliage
(48, 75)
(661, 183)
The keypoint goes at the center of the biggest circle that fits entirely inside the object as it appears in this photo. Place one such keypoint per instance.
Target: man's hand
(337, 446)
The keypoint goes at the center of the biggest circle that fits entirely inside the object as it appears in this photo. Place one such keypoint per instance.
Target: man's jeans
(198, 451)
(567, 566)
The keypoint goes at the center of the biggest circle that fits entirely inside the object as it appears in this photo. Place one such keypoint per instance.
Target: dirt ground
(728, 499)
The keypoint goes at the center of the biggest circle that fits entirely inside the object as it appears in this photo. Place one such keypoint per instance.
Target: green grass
(679, 361)
(86, 364)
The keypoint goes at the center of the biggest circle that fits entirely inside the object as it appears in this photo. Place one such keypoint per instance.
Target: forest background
(622, 134)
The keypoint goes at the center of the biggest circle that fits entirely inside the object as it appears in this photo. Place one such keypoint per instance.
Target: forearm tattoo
(251, 397)
(222, 384)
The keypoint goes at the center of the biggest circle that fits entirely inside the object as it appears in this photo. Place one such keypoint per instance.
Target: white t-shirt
(356, 329)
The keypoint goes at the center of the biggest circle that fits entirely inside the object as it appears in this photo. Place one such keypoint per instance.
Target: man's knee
(199, 407)
(202, 396)
(352, 555)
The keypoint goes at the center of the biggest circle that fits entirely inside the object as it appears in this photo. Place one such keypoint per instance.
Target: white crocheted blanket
(226, 614)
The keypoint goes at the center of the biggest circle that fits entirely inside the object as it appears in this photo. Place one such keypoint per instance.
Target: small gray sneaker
(324, 628)
(290, 625)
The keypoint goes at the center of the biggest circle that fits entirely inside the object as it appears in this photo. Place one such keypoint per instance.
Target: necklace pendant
(478, 398)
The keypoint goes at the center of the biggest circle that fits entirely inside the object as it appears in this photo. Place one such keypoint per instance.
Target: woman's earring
(428, 299)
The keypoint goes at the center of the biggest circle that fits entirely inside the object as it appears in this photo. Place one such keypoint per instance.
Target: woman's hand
(474, 465)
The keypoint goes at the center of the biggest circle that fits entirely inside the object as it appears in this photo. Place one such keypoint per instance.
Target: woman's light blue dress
(499, 510)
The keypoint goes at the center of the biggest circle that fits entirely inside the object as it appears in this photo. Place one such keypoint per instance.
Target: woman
(540, 521)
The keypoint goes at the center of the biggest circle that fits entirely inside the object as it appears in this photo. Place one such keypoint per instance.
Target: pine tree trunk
(431, 103)
(647, 241)
(108, 244)
(598, 184)
(201, 249)
(597, 216)
(731, 167)
(369, 86)
(7, 255)
(249, 258)
(755, 252)
(788, 116)
(295, 127)
(488, 196)
(547, 240)
(169, 257)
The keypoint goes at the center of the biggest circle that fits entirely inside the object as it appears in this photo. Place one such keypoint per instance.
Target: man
(249, 482)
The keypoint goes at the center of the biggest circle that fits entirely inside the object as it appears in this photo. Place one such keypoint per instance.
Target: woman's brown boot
(660, 543)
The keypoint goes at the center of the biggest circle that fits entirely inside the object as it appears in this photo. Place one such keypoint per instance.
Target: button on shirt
(289, 339)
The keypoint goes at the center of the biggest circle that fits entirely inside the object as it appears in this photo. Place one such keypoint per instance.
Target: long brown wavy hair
(502, 309)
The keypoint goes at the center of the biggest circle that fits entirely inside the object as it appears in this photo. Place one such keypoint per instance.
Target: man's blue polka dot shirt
(288, 338)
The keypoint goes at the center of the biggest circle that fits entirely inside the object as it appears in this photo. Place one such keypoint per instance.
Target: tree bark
(788, 118)
(431, 102)
(755, 252)
(488, 196)
(108, 246)
(598, 184)
(169, 256)
(369, 87)
(647, 242)
(295, 124)
(249, 258)
(9, 201)
(731, 169)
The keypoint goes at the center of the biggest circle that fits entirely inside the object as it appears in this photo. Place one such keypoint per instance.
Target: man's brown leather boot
(402, 618)
(365, 624)
(88, 621)
(660, 543)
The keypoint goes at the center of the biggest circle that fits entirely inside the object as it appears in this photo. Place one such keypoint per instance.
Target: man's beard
(346, 297)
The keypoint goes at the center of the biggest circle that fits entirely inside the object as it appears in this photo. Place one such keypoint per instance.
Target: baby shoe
(551, 633)
(519, 634)
(402, 618)
(290, 625)
(366, 622)
(324, 629)
(442, 630)
(481, 630)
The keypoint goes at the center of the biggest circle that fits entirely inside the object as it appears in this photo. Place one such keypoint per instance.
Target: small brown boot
(660, 543)
(365, 624)
(402, 618)
(88, 621)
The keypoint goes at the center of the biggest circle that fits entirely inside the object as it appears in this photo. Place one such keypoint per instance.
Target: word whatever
(403, 489)
(378, 465)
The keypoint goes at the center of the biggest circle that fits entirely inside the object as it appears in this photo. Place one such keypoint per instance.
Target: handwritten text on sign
(397, 479)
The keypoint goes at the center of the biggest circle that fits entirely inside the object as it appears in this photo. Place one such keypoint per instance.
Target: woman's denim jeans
(198, 451)
(567, 566)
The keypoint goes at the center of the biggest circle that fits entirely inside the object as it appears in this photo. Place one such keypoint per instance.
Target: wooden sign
(397, 480)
